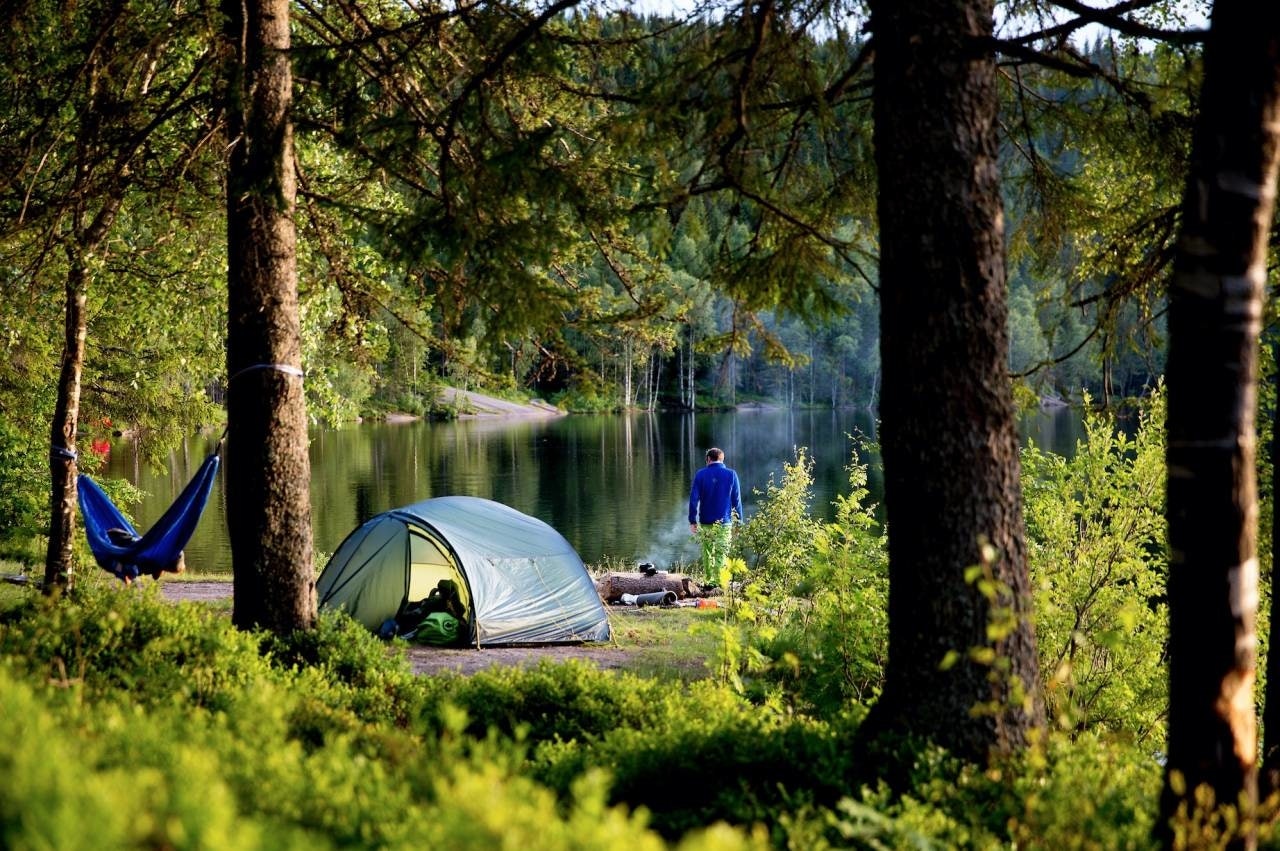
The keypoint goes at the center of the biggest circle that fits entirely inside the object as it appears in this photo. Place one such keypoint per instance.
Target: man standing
(714, 500)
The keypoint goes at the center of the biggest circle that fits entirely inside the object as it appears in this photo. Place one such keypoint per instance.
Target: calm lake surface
(615, 486)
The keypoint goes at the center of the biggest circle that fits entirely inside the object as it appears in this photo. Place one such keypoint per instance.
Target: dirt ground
(433, 660)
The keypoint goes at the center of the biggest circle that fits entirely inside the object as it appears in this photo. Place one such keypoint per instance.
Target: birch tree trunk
(628, 371)
(87, 237)
(1215, 314)
(63, 471)
(693, 395)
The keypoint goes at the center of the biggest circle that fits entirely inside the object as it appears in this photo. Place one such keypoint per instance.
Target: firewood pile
(612, 585)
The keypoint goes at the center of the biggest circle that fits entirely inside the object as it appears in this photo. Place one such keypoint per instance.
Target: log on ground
(611, 586)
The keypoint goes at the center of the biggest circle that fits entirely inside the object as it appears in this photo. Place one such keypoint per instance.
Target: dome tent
(520, 580)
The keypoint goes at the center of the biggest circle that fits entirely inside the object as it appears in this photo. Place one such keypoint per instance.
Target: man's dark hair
(714, 454)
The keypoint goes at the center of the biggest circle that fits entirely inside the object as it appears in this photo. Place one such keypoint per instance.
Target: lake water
(615, 486)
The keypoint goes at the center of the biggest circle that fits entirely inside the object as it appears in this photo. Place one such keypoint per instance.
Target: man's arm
(735, 498)
(693, 506)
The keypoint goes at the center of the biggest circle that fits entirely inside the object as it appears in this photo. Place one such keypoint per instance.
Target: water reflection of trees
(615, 486)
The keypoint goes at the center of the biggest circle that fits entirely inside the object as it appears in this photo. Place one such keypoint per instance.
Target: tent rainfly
(520, 580)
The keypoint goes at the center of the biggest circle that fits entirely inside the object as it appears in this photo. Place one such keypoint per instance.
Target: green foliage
(808, 626)
(837, 647)
(780, 538)
(586, 395)
(1028, 348)
(780, 534)
(1087, 791)
(1098, 558)
(706, 755)
(375, 685)
(1074, 793)
(554, 702)
(829, 653)
(24, 481)
(62, 786)
(172, 652)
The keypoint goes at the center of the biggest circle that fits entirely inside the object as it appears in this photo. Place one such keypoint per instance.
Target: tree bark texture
(1215, 315)
(267, 468)
(948, 433)
(63, 471)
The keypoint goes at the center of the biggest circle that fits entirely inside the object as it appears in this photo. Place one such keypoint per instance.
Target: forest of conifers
(939, 210)
(606, 233)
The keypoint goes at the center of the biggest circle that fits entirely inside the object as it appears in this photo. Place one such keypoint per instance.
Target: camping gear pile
(653, 598)
(435, 620)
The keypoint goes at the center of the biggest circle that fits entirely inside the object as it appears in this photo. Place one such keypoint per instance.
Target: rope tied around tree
(287, 369)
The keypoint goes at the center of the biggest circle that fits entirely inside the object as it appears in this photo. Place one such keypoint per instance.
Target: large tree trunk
(62, 437)
(268, 472)
(1214, 318)
(949, 441)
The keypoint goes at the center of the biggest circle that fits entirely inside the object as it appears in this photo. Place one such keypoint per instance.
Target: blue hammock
(116, 545)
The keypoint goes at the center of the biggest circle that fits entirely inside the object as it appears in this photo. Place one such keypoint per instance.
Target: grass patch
(11, 595)
(675, 644)
(14, 568)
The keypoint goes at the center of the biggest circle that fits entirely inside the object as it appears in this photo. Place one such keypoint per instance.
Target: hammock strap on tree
(286, 368)
(162, 544)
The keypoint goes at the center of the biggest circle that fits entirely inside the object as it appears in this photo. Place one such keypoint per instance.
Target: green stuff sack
(438, 628)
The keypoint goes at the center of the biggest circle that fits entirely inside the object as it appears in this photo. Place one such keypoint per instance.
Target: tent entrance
(429, 563)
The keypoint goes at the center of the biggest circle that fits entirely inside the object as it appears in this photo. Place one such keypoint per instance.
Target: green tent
(521, 582)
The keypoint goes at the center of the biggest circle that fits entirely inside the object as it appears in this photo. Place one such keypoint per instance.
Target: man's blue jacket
(715, 494)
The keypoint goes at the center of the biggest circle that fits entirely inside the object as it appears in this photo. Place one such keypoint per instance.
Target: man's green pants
(714, 539)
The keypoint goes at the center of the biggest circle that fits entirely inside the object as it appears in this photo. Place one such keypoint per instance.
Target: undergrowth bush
(777, 542)
(706, 756)
(1099, 563)
(566, 701)
(811, 628)
(836, 647)
(376, 685)
(1082, 793)
(104, 640)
